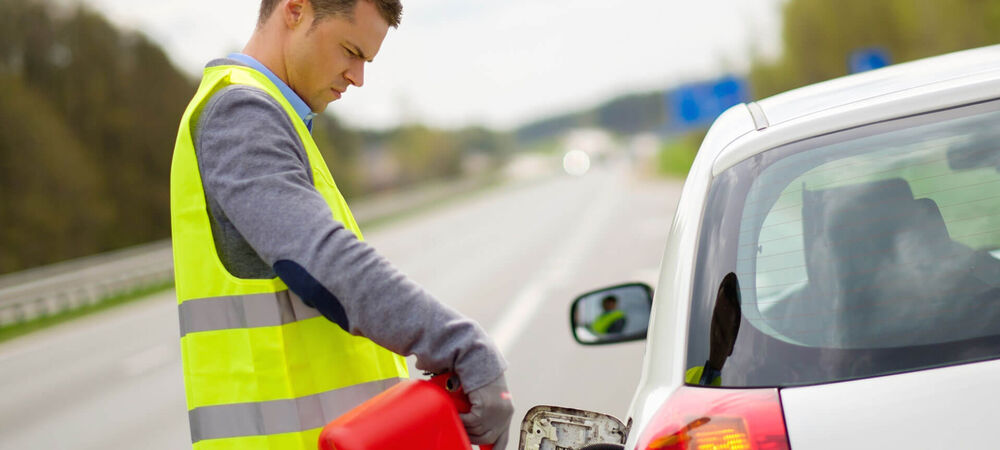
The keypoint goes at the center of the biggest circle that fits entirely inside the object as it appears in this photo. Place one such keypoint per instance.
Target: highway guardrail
(81, 282)
(70, 285)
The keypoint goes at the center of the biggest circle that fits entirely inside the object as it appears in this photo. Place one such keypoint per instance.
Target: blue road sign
(696, 105)
(869, 58)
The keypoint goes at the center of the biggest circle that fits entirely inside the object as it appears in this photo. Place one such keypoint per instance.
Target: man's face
(324, 58)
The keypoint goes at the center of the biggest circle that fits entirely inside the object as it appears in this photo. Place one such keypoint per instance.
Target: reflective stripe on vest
(607, 319)
(243, 311)
(262, 371)
(280, 416)
(694, 374)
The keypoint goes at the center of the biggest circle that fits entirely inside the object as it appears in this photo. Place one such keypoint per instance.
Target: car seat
(883, 270)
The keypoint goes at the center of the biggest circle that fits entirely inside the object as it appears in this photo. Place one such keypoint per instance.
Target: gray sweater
(268, 219)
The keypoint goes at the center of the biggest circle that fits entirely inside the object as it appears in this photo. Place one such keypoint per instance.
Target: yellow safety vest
(604, 322)
(693, 376)
(261, 369)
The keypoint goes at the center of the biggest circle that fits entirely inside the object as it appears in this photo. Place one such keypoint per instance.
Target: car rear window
(860, 253)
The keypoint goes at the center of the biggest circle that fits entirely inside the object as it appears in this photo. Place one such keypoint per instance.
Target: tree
(90, 115)
(52, 203)
(819, 35)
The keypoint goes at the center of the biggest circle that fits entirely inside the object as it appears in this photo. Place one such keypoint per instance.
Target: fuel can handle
(450, 383)
(412, 415)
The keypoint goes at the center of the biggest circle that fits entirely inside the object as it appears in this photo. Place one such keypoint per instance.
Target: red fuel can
(412, 415)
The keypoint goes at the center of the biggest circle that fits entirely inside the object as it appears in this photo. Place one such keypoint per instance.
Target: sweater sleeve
(254, 168)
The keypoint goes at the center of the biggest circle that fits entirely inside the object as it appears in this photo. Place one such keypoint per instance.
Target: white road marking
(558, 267)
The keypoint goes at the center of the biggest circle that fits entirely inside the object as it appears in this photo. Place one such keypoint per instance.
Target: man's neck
(265, 46)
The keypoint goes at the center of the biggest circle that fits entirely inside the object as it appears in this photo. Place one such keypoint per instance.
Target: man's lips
(336, 93)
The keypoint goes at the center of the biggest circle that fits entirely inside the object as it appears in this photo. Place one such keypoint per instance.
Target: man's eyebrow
(357, 50)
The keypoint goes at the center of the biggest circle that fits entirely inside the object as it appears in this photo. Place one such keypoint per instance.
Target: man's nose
(356, 73)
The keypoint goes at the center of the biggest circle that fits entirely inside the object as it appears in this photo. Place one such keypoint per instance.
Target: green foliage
(634, 113)
(424, 153)
(51, 199)
(479, 140)
(341, 148)
(819, 35)
(676, 155)
(89, 116)
(627, 114)
(418, 154)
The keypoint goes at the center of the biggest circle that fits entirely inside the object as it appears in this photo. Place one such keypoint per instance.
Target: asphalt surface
(512, 258)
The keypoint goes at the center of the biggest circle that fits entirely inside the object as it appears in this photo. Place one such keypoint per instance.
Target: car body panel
(895, 91)
(746, 130)
(897, 411)
(890, 80)
(663, 363)
(982, 86)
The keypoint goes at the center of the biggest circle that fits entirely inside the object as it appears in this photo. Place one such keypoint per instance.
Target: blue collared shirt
(305, 113)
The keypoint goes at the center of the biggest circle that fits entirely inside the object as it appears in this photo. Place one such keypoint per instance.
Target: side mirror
(613, 314)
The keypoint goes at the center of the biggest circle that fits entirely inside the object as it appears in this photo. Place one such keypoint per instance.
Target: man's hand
(488, 422)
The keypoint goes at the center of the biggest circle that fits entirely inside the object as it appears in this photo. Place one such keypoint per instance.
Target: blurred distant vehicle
(576, 162)
(831, 279)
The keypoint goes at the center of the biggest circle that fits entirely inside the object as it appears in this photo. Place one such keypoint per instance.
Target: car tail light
(696, 418)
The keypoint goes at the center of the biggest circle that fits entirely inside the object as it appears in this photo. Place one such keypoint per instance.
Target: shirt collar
(303, 110)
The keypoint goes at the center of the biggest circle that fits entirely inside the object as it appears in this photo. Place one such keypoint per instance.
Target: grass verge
(8, 332)
(677, 155)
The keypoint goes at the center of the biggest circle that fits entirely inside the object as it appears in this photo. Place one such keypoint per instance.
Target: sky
(501, 64)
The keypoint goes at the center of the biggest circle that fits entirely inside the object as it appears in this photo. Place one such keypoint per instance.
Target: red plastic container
(412, 415)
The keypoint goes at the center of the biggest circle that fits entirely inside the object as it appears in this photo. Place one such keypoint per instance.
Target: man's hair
(390, 10)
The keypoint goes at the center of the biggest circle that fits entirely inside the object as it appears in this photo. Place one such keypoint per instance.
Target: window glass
(855, 251)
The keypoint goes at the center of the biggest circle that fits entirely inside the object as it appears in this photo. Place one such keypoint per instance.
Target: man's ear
(294, 12)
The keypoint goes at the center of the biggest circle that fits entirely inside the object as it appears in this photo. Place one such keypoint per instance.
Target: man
(288, 319)
(612, 319)
(725, 327)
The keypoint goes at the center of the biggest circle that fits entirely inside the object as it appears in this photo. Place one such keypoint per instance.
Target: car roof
(944, 81)
(867, 85)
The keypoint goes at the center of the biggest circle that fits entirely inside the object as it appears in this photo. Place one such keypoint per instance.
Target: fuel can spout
(412, 415)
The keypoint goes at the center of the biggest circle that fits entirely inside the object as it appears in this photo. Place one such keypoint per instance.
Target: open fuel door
(557, 428)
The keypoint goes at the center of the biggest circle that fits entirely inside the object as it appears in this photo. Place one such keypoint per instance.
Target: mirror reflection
(725, 327)
(612, 314)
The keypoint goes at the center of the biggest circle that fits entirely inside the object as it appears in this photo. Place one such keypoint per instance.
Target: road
(512, 259)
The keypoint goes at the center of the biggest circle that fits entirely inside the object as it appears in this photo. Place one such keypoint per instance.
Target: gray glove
(488, 422)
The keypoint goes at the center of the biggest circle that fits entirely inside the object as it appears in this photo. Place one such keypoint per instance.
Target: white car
(831, 279)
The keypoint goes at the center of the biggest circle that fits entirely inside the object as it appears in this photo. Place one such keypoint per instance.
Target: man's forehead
(364, 28)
